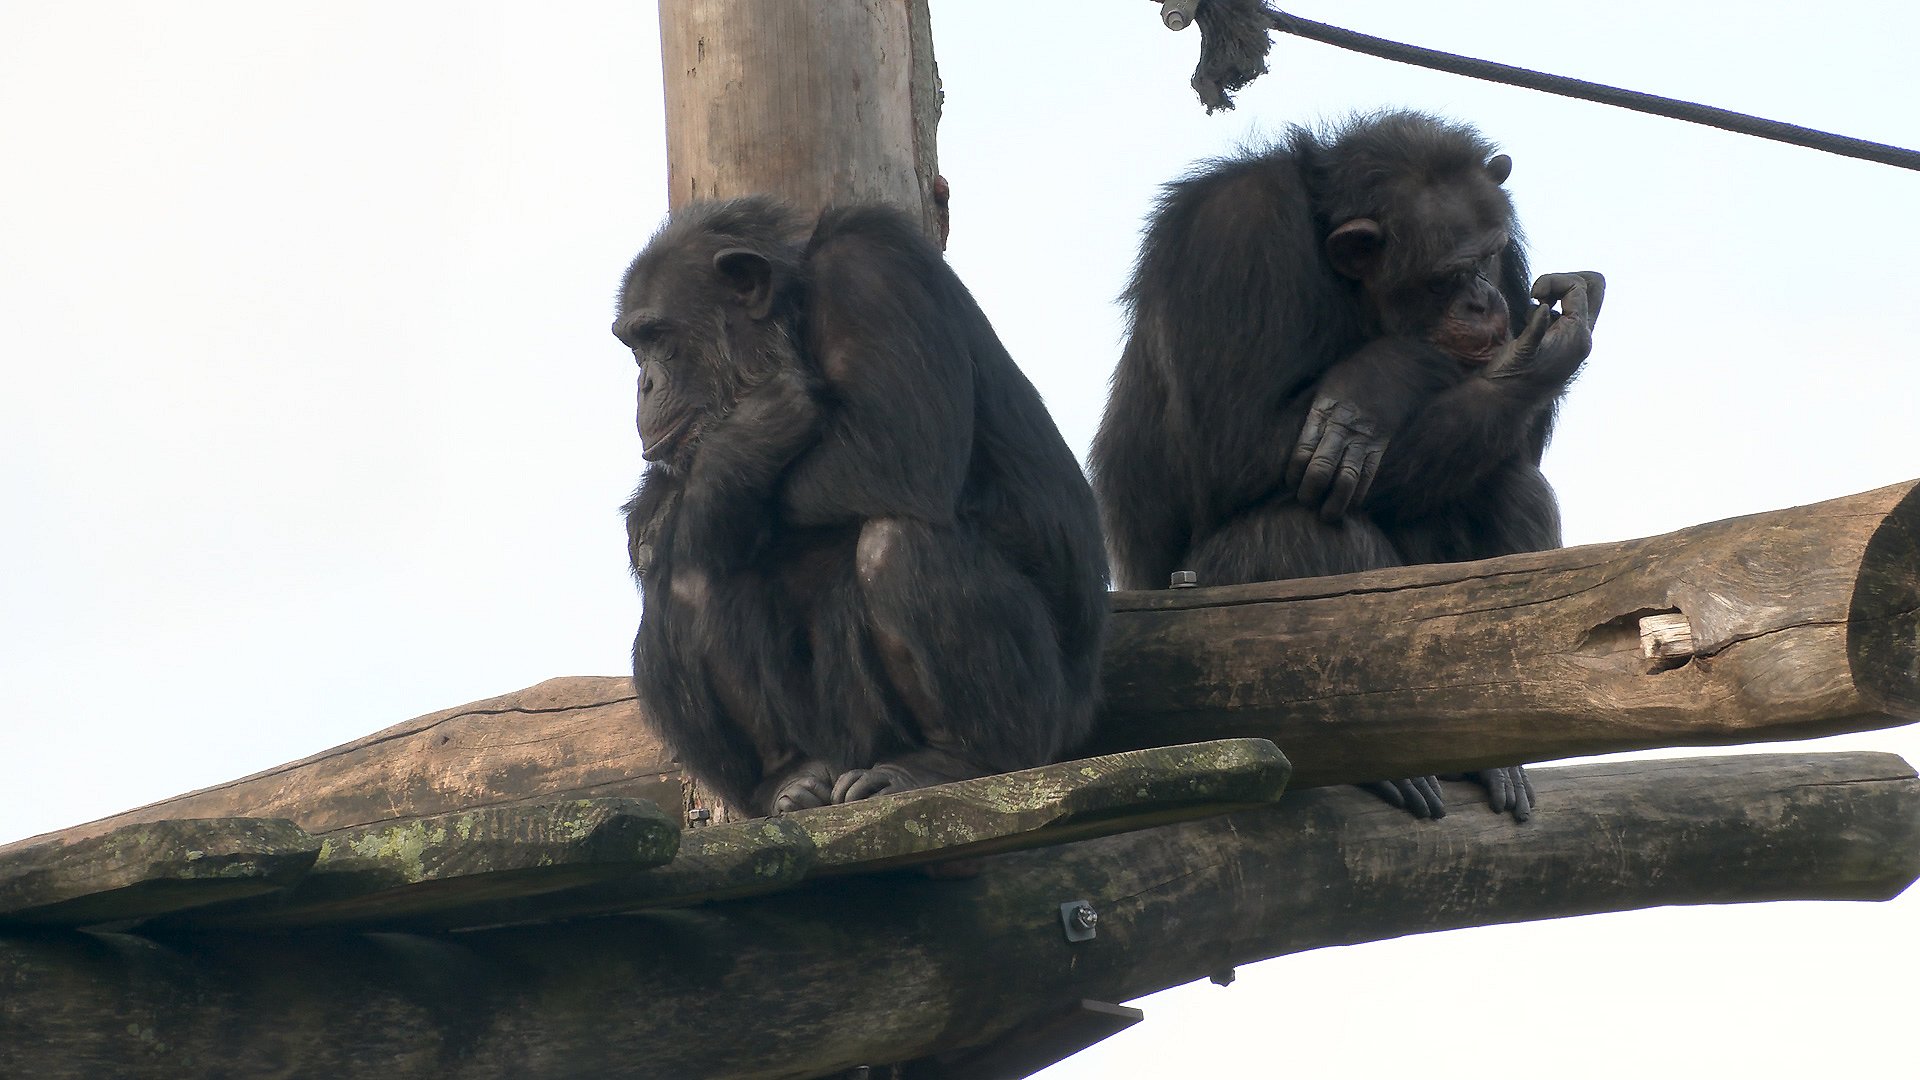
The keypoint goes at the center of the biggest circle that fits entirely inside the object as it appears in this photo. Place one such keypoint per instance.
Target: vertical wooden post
(817, 101)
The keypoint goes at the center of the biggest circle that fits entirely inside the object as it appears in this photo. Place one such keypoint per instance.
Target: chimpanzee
(1336, 364)
(868, 561)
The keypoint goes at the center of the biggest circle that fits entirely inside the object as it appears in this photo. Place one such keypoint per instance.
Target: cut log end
(1883, 642)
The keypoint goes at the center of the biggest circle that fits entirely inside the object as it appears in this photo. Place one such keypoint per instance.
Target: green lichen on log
(396, 870)
(1049, 805)
(150, 869)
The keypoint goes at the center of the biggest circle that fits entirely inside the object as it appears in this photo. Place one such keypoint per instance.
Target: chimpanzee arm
(1234, 305)
(1452, 445)
(889, 326)
(1356, 408)
(646, 513)
(727, 500)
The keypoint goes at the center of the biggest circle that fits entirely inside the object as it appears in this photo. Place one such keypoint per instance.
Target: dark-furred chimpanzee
(1336, 364)
(868, 561)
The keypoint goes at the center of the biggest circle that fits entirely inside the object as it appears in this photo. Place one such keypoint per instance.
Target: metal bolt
(1223, 977)
(1079, 921)
(1183, 579)
(1178, 14)
(699, 815)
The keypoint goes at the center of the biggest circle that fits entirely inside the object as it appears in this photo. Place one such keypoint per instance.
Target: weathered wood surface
(893, 967)
(578, 737)
(832, 101)
(1019, 811)
(386, 873)
(1802, 622)
(147, 869)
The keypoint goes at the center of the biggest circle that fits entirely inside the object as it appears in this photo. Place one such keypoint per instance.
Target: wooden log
(142, 870)
(831, 101)
(959, 822)
(1799, 623)
(897, 967)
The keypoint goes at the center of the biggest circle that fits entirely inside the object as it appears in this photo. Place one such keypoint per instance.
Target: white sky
(311, 423)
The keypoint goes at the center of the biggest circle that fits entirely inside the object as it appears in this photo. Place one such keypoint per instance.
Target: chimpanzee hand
(779, 414)
(1551, 347)
(1336, 458)
(1509, 790)
(1419, 796)
(765, 429)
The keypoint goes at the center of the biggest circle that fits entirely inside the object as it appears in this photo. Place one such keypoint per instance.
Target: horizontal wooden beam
(509, 871)
(897, 966)
(1785, 625)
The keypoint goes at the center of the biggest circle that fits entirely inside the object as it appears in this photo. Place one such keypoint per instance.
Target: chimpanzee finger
(1319, 473)
(1429, 788)
(1536, 328)
(802, 793)
(1346, 480)
(1499, 788)
(1368, 470)
(1387, 790)
(844, 786)
(1596, 294)
(1310, 434)
(1570, 292)
(1522, 796)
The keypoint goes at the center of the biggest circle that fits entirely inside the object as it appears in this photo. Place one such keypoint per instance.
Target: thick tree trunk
(897, 967)
(828, 101)
(1785, 625)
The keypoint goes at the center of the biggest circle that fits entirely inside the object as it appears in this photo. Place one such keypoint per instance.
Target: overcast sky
(311, 422)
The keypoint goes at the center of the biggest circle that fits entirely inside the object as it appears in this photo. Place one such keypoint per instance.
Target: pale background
(310, 421)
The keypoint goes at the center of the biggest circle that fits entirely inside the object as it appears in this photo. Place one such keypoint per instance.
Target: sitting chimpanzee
(868, 561)
(1336, 364)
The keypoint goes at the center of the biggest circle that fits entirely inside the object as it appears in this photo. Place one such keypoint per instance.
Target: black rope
(1250, 65)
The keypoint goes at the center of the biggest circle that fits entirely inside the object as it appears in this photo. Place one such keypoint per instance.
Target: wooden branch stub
(152, 868)
(1666, 639)
(387, 873)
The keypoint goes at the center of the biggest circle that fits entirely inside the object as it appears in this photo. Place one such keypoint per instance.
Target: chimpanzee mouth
(665, 444)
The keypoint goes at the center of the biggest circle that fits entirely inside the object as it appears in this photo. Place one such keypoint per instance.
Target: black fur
(874, 563)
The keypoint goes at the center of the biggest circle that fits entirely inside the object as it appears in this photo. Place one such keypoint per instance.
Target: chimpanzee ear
(1354, 248)
(1499, 167)
(750, 276)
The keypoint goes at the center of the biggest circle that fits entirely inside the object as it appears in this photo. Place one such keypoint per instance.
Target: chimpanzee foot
(918, 769)
(810, 784)
(1419, 796)
(883, 779)
(1509, 790)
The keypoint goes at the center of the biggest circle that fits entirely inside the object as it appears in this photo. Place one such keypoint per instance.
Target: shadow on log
(1791, 624)
(894, 967)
